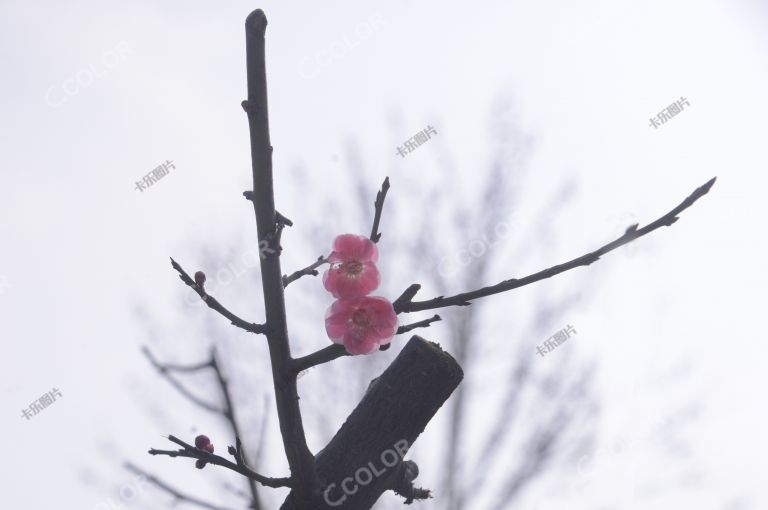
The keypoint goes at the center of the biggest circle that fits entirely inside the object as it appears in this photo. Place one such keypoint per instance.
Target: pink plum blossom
(353, 271)
(361, 324)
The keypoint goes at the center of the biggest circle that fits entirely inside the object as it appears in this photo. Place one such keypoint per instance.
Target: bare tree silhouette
(399, 403)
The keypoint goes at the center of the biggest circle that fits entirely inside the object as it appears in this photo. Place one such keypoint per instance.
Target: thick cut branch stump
(364, 458)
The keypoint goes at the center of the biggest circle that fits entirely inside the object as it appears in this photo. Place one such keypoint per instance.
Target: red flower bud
(209, 448)
(200, 279)
(202, 442)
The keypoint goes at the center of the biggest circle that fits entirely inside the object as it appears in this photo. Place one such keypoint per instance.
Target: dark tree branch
(310, 270)
(191, 452)
(215, 305)
(404, 303)
(319, 357)
(300, 458)
(406, 297)
(389, 418)
(379, 206)
(170, 490)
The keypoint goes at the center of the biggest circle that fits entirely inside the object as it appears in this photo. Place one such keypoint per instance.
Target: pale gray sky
(97, 94)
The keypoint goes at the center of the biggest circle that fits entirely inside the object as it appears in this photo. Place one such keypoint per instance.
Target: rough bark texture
(393, 412)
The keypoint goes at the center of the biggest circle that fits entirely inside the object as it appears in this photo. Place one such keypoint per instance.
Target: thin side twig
(310, 270)
(404, 303)
(420, 324)
(215, 305)
(165, 369)
(191, 452)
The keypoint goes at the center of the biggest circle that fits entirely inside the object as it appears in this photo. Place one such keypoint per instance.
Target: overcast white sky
(97, 94)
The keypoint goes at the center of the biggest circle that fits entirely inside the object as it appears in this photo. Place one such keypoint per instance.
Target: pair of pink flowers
(360, 322)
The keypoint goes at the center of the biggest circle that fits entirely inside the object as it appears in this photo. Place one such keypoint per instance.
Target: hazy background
(97, 94)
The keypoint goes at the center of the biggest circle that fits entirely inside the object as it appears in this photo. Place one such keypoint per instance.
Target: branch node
(406, 297)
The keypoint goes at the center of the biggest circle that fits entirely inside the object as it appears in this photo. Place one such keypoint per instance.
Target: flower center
(353, 267)
(361, 319)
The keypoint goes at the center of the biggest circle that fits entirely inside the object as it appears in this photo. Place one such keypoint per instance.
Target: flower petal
(354, 247)
(361, 324)
(337, 320)
(343, 286)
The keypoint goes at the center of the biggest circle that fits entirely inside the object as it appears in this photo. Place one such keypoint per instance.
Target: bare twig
(421, 324)
(404, 303)
(180, 496)
(229, 414)
(165, 369)
(310, 270)
(191, 452)
(215, 305)
(379, 206)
